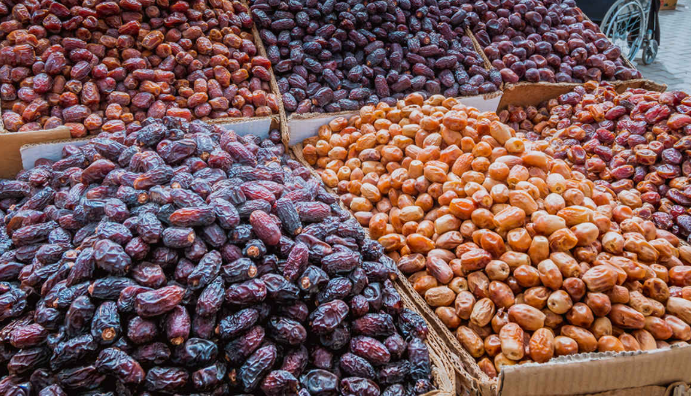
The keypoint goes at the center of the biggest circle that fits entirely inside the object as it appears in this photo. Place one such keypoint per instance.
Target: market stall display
(107, 65)
(523, 257)
(410, 245)
(184, 258)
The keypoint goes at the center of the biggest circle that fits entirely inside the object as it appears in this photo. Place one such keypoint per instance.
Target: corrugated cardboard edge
(444, 371)
(483, 102)
(30, 152)
(301, 126)
(603, 372)
(260, 126)
(622, 86)
(12, 142)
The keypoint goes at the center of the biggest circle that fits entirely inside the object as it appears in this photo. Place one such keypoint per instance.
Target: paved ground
(673, 63)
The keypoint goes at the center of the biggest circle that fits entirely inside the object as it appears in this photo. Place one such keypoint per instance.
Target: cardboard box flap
(532, 94)
(12, 142)
(597, 372)
(642, 391)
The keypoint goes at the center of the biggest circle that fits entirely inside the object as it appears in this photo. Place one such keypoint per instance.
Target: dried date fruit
(192, 282)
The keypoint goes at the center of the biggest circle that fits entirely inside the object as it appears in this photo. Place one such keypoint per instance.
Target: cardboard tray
(12, 142)
(29, 151)
(301, 126)
(622, 374)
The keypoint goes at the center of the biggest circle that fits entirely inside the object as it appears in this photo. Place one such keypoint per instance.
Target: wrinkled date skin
(161, 271)
(109, 66)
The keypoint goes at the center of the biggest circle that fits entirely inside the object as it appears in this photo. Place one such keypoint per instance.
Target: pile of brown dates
(518, 253)
(103, 65)
(182, 258)
(635, 143)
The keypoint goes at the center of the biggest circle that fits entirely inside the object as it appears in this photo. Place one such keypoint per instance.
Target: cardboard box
(605, 374)
(12, 160)
(301, 126)
(668, 4)
(11, 143)
(29, 151)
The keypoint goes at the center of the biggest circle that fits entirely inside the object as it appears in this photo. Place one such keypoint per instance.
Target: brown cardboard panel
(259, 126)
(622, 86)
(301, 126)
(11, 143)
(532, 94)
(642, 391)
(50, 150)
(593, 373)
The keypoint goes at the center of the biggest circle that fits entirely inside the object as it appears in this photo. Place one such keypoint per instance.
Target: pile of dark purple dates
(338, 55)
(549, 40)
(184, 259)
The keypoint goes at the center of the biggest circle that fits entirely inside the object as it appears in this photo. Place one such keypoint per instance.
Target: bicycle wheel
(624, 24)
(650, 51)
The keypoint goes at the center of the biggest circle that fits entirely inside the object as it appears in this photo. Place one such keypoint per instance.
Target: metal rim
(624, 26)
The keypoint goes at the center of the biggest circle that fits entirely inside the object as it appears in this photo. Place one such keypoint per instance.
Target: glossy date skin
(203, 302)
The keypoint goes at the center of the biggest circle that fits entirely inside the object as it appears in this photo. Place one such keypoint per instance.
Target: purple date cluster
(338, 55)
(549, 40)
(185, 259)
